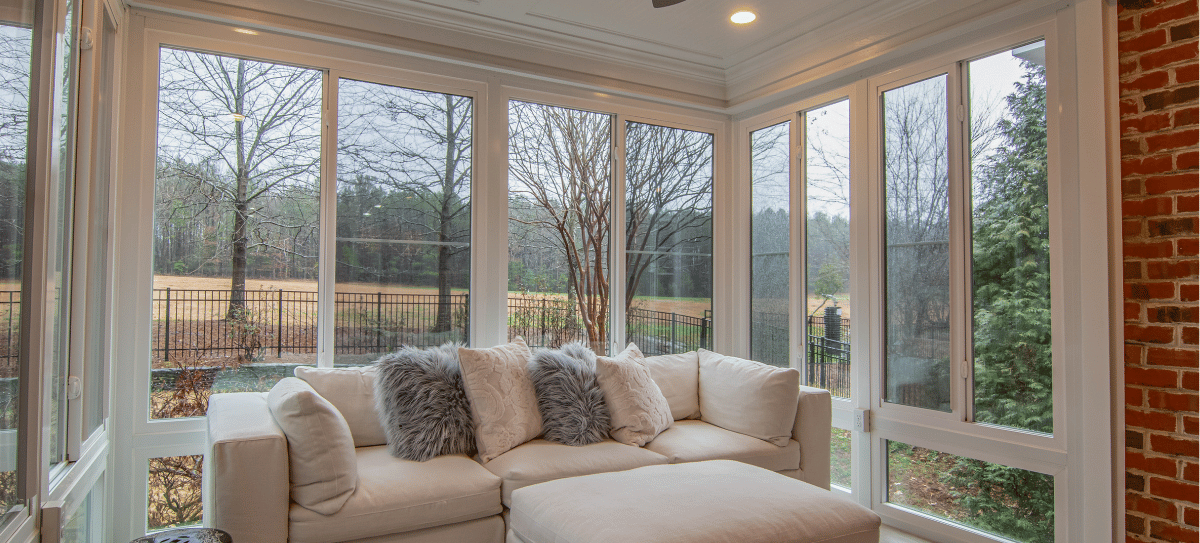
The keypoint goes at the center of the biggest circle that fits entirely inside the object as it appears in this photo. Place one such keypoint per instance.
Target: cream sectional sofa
(454, 498)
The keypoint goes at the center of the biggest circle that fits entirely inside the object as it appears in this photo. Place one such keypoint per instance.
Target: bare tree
(560, 162)
(418, 143)
(15, 51)
(241, 132)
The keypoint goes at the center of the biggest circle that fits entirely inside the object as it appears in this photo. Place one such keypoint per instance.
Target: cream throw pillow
(352, 392)
(678, 377)
(638, 409)
(324, 470)
(503, 402)
(748, 397)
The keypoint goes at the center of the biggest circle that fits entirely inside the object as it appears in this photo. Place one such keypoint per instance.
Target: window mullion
(960, 247)
(616, 261)
(327, 227)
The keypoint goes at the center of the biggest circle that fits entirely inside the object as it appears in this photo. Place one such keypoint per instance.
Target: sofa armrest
(814, 420)
(247, 490)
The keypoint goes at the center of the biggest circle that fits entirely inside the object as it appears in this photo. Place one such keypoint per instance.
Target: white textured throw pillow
(352, 392)
(638, 409)
(678, 377)
(748, 397)
(324, 471)
(503, 402)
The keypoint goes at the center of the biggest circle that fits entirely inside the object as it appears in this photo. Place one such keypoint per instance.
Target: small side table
(187, 535)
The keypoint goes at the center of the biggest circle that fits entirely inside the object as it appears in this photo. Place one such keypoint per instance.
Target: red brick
(1184, 31)
(1133, 311)
(1151, 377)
(1131, 229)
(1149, 291)
(1190, 380)
(1131, 187)
(1175, 140)
(1191, 471)
(1129, 106)
(1190, 335)
(1191, 516)
(1156, 465)
(1168, 14)
(1189, 293)
(1133, 354)
(1174, 490)
(1171, 532)
(1147, 165)
(1191, 425)
(1183, 358)
(1145, 42)
(1165, 269)
(1186, 73)
(1135, 397)
(1150, 506)
(1187, 204)
(1185, 117)
(1170, 314)
(1160, 184)
(1146, 123)
(1134, 524)
(1149, 249)
(1147, 207)
(1184, 96)
(1168, 55)
(1189, 160)
(1172, 227)
(1150, 420)
(1131, 147)
(1171, 445)
(1132, 271)
(1187, 247)
(1172, 401)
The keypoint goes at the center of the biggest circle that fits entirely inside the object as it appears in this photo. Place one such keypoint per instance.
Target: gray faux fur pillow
(569, 399)
(422, 407)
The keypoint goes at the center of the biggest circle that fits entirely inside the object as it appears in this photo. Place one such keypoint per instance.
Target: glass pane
(404, 219)
(174, 492)
(827, 262)
(16, 42)
(839, 467)
(86, 525)
(668, 238)
(1001, 500)
(235, 227)
(916, 181)
(770, 238)
(1010, 243)
(559, 213)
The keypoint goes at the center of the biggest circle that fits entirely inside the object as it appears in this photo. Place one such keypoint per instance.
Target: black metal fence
(10, 319)
(829, 353)
(194, 325)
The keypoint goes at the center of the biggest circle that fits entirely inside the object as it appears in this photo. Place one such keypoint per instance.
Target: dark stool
(187, 535)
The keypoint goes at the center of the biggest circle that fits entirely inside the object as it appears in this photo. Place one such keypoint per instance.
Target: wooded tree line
(15, 51)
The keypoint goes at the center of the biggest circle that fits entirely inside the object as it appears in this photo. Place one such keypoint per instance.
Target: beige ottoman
(699, 502)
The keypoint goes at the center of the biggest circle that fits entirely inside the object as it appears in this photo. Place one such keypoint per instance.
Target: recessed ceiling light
(245, 31)
(743, 17)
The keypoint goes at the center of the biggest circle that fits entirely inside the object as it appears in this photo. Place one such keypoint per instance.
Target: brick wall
(1157, 47)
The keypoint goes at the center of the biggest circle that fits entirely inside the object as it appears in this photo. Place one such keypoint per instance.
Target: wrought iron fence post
(279, 329)
(378, 321)
(167, 331)
(672, 347)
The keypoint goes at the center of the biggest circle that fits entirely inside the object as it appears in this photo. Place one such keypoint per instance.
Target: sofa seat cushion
(694, 440)
(395, 495)
(702, 502)
(539, 461)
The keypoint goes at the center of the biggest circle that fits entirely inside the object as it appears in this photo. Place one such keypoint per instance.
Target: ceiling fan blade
(665, 3)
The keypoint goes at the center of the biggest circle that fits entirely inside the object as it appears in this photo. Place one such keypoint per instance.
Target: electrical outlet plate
(862, 420)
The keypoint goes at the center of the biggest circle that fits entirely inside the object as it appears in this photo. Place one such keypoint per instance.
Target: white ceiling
(689, 53)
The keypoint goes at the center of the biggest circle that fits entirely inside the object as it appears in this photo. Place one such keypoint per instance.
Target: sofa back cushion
(324, 472)
(568, 396)
(748, 397)
(638, 409)
(503, 402)
(352, 392)
(678, 377)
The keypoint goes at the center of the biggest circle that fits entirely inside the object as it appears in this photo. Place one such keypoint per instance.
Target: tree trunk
(445, 216)
(238, 239)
